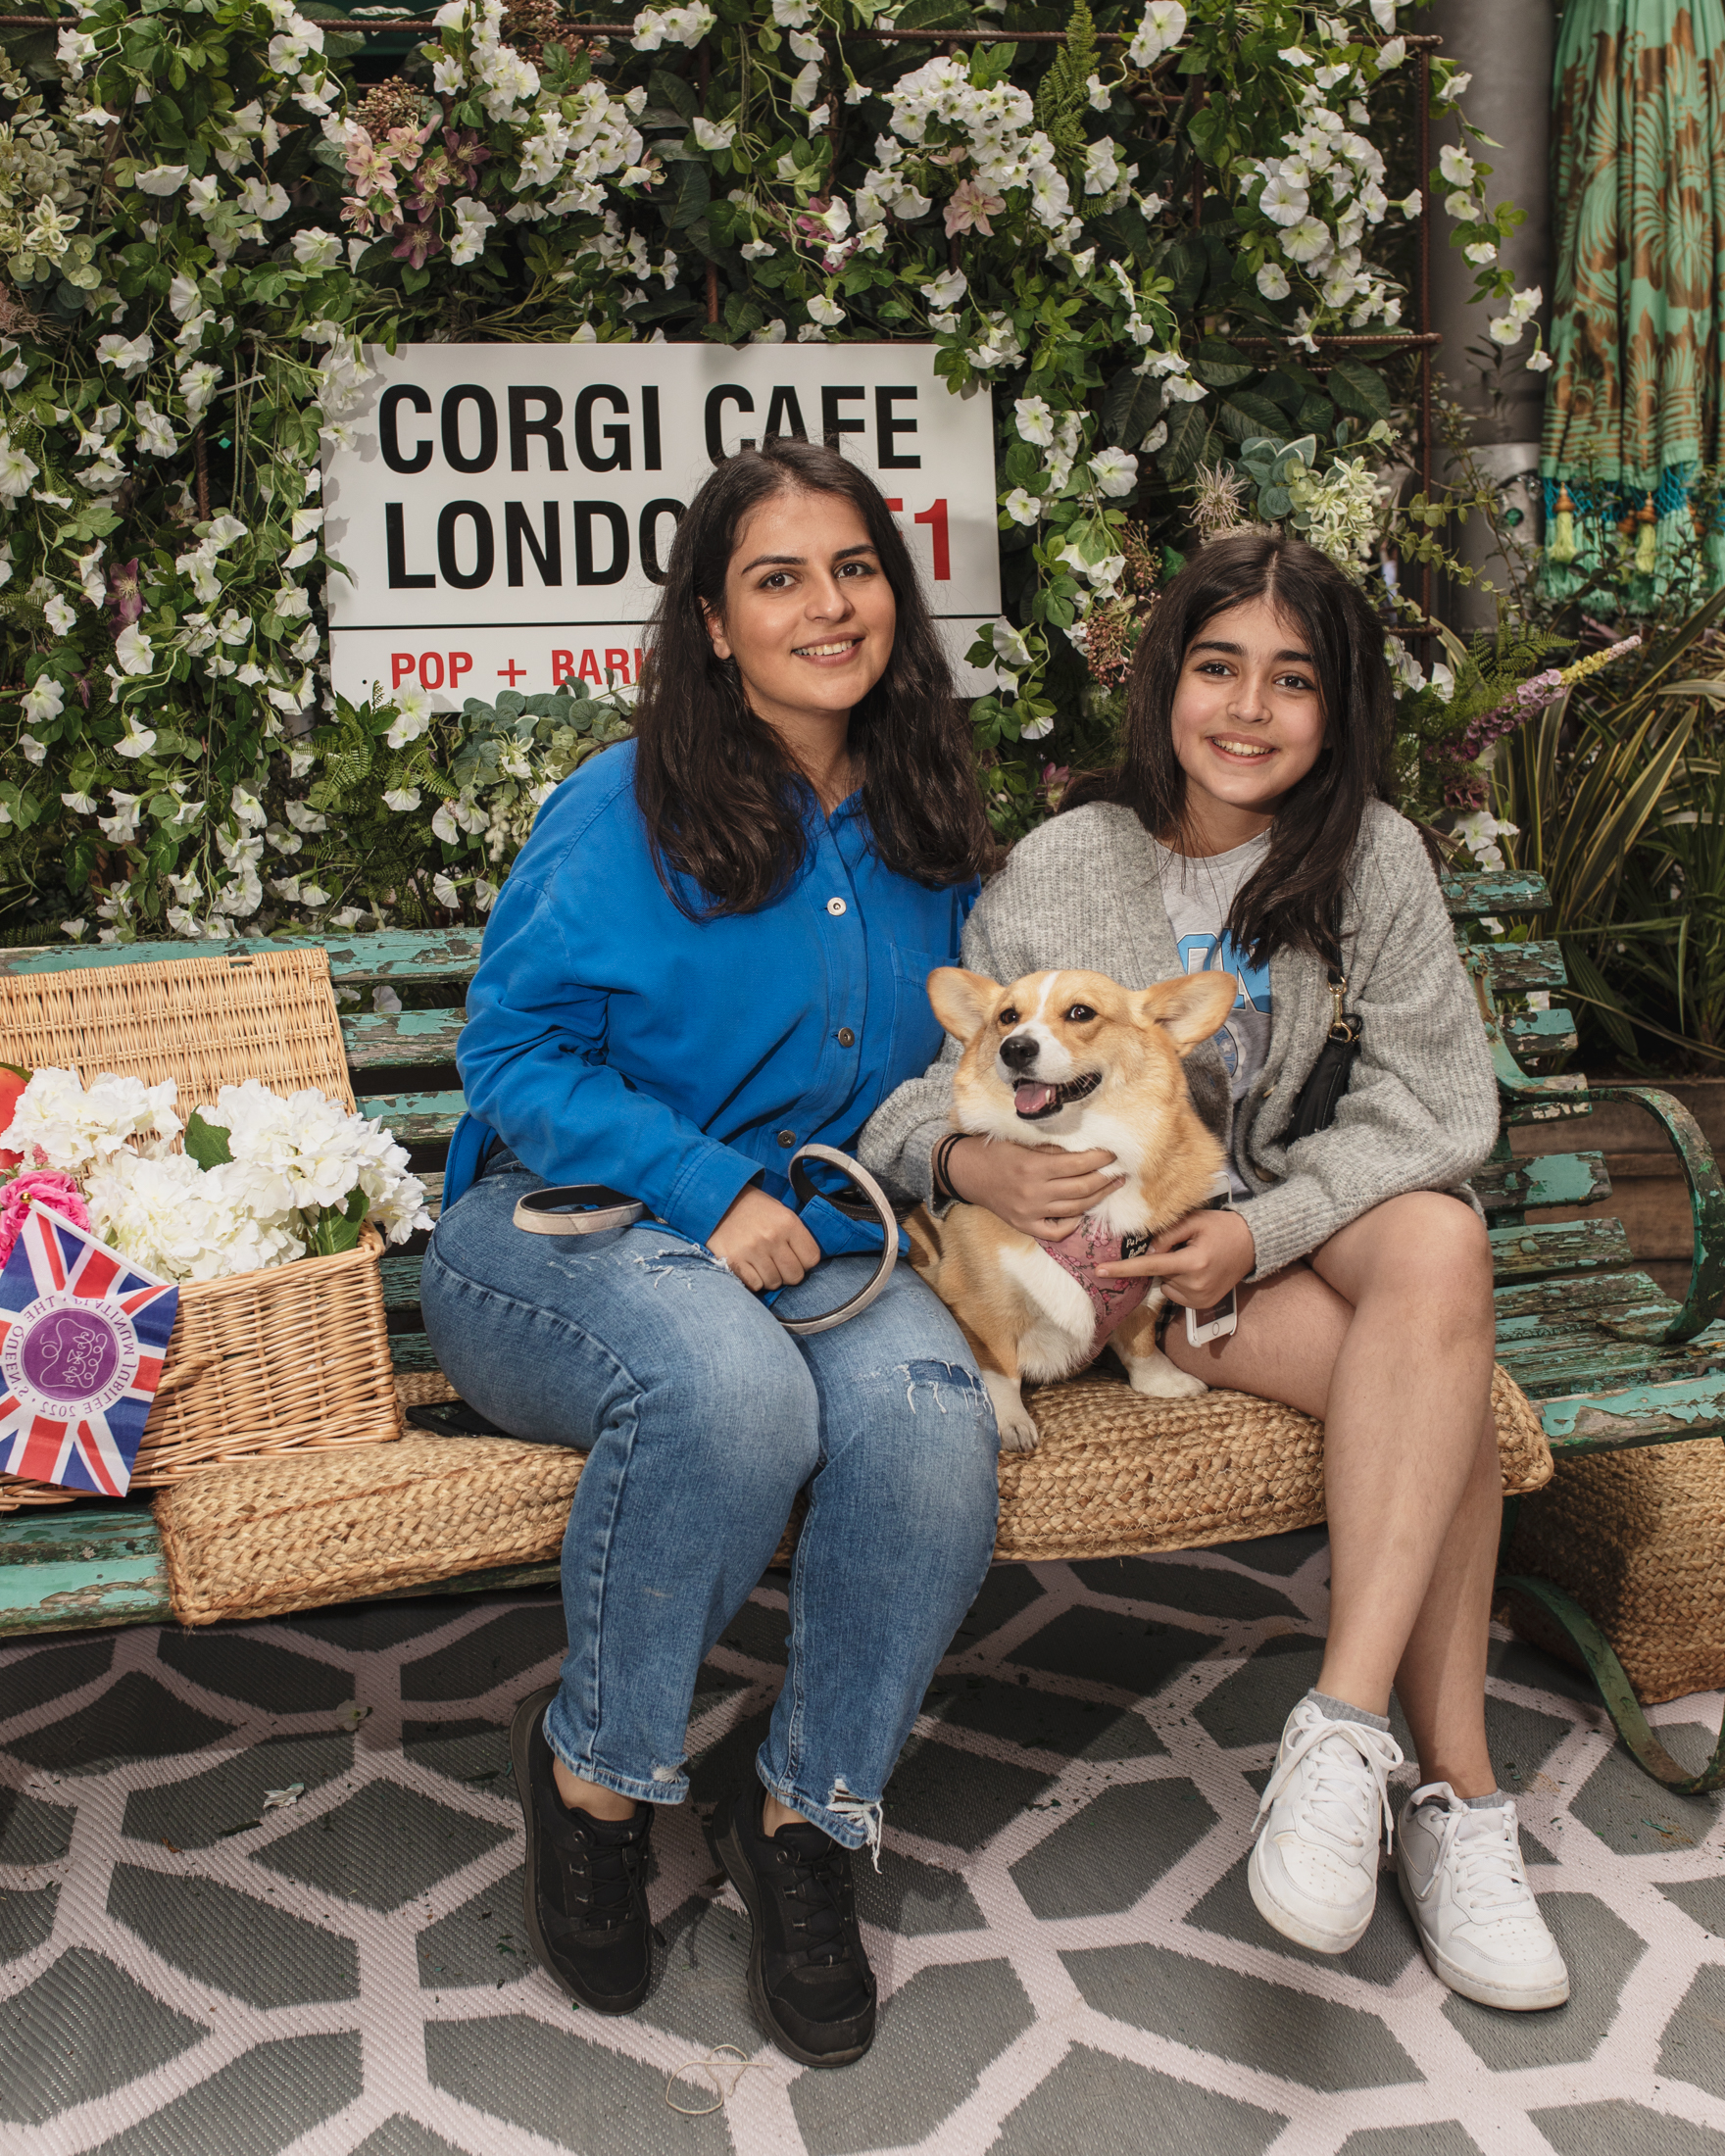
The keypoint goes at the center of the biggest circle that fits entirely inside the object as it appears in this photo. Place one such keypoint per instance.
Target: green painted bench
(1607, 1358)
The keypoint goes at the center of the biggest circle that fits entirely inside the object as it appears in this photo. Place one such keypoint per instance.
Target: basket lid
(205, 1022)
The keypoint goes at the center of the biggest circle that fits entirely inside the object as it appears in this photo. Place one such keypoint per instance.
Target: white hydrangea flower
(56, 1123)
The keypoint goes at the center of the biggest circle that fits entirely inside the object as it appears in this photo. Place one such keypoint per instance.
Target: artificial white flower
(161, 180)
(715, 134)
(1009, 645)
(1023, 506)
(134, 650)
(34, 752)
(473, 221)
(156, 437)
(1284, 201)
(413, 710)
(136, 741)
(1115, 471)
(1308, 241)
(1457, 168)
(16, 470)
(401, 799)
(1272, 281)
(827, 312)
(316, 250)
(58, 616)
(130, 355)
(43, 700)
(1482, 251)
(1537, 362)
(1161, 28)
(83, 805)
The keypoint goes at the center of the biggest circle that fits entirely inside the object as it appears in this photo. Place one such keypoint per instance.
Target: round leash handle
(594, 1209)
(576, 1208)
(859, 1178)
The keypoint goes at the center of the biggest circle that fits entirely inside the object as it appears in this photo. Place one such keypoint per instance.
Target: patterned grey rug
(1068, 1957)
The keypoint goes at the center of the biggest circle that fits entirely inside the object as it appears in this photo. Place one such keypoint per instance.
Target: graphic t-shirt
(1198, 892)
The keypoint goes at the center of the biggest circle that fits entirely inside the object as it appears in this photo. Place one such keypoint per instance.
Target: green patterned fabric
(1633, 399)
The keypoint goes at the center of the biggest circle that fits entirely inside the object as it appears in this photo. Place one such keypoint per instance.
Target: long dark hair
(723, 805)
(1290, 902)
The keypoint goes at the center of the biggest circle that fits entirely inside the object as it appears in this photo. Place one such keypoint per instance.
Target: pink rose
(37, 1186)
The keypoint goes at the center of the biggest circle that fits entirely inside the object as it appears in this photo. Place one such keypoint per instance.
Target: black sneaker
(582, 1887)
(809, 1981)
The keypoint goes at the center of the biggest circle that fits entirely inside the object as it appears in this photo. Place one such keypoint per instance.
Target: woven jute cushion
(259, 1537)
(1115, 1475)
(1638, 1537)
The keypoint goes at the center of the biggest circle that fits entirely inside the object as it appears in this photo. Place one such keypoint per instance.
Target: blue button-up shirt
(611, 1039)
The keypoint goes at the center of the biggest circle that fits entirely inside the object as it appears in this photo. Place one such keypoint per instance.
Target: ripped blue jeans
(702, 1418)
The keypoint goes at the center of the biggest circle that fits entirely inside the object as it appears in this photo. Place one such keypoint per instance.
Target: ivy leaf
(925, 15)
(1131, 407)
(206, 1142)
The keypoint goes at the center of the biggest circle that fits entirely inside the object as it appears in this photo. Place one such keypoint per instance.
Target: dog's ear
(962, 1001)
(1190, 1008)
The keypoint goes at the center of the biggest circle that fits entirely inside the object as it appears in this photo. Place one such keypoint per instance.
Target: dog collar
(1079, 1253)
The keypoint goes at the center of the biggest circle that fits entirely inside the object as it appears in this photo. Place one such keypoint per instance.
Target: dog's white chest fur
(1060, 1339)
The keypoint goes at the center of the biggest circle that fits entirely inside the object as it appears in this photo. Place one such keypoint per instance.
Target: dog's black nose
(1019, 1050)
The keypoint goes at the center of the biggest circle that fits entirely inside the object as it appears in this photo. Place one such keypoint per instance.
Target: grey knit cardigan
(1421, 1109)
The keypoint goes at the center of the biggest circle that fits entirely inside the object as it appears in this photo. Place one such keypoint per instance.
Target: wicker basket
(1638, 1537)
(281, 1360)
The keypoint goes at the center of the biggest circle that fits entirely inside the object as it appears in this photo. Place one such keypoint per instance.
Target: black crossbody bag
(1321, 1094)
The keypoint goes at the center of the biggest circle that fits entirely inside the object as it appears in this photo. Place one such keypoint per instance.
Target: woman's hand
(764, 1243)
(1198, 1259)
(1039, 1190)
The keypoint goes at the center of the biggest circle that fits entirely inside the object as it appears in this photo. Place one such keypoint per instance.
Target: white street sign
(506, 510)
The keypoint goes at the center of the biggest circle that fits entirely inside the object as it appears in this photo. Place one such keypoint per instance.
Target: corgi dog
(1075, 1060)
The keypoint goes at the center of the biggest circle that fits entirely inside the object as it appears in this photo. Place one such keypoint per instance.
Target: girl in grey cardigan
(1248, 814)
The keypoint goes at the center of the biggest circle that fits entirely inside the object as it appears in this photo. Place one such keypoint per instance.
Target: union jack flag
(84, 1332)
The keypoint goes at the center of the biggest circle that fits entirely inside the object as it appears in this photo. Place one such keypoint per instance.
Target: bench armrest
(1531, 1099)
(1707, 1200)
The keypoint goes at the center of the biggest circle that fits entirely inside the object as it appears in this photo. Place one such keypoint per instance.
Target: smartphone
(1221, 1318)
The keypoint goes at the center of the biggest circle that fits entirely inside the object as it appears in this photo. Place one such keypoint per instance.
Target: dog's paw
(1156, 1378)
(1019, 1433)
(1012, 1417)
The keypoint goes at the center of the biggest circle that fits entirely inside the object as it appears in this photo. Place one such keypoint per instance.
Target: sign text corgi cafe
(503, 512)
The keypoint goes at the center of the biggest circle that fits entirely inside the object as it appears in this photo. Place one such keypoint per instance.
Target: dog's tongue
(1031, 1100)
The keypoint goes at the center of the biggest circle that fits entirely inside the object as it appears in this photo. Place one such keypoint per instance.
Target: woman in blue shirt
(711, 952)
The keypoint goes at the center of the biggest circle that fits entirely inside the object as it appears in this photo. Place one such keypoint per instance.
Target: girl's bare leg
(1389, 1338)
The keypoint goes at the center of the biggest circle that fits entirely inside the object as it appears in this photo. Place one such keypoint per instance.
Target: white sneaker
(1466, 1890)
(1314, 1871)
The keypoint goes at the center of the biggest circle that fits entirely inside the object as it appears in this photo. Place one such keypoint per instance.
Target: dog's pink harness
(1079, 1253)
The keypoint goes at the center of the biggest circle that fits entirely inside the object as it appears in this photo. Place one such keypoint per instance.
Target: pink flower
(970, 209)
(37, 1186)
(125, 597)
(415, 243)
